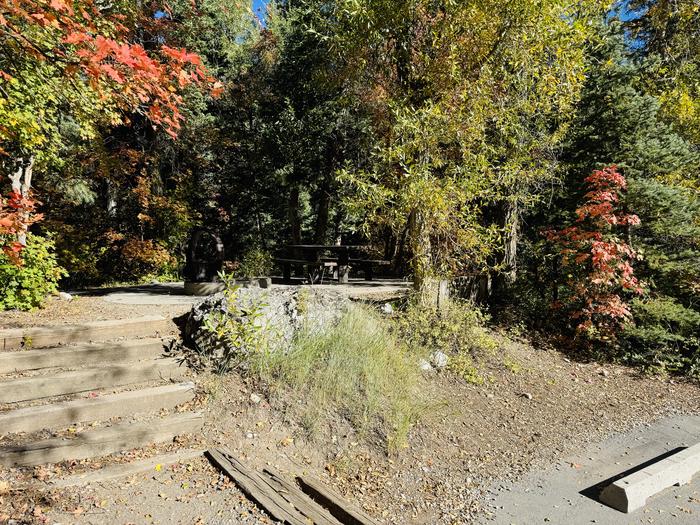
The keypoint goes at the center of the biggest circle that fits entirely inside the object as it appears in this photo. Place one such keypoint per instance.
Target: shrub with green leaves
(255, 263)
(26, 286)
(457, 327)
(237, 329)
(665, 336)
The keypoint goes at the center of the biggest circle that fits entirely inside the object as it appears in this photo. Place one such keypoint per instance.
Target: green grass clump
(463, 365)
(357, 368)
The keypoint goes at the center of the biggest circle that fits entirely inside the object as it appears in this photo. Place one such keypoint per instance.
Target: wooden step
(82, 355)
(101, 408)
(46, 336)
(101, 442)
(25, 389)
(121, 470)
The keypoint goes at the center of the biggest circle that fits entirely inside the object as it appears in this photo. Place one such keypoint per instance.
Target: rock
(279, 312)
(255, 398)
(386, 309)
(424, 365)
(526, 395)
(439, 359)
(65, 296)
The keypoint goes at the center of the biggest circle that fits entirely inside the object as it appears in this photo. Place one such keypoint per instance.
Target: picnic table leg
(343, 267)
(287, 272)
(369, 274)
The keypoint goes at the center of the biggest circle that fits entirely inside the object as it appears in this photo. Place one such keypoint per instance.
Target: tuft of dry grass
(357, 368)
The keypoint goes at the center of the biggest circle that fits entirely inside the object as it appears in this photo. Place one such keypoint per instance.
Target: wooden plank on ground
(255, 487)
(45, 336)
(344, 511)
(74, 382)
(294, 495)
(96, 354)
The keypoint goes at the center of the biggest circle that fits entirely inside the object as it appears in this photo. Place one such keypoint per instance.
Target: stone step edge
(60, 415)
(48, 336)
(101, 442)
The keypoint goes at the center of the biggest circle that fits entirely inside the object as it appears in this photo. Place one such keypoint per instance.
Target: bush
(457, 328)
(238, 330)
(26, 286)
(131, 259)
(255, 263)
(665, 337)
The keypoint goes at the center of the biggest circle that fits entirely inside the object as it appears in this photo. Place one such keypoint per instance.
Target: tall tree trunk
(324, 202)
(510, 248)
(419, 238)
(111, 195)
(22, 184)
(294, 218)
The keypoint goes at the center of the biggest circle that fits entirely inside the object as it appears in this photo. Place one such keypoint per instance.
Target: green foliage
(255, 263)
(668, 238)
(466, 139)
(463, 365)
(621, 118)
(26, 287)
(665, 336)
(238, 330)
(458, 328)
(357, 368)
(668, 31)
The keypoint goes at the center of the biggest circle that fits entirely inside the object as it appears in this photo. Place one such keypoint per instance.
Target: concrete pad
(26, 389)
(101, 408)
(101, 442)
(47, 336)
(82, 355)
(568, 492)
(160, 294)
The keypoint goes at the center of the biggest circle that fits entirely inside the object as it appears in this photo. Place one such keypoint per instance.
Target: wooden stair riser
(101, 408)
(27, 389)
(43, 337)
(101, 442)
(96, 354)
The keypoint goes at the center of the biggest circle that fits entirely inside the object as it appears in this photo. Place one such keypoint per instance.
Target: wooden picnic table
(315, 250)
(312, 257)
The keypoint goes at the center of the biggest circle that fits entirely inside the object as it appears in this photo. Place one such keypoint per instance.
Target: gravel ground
(186, 494)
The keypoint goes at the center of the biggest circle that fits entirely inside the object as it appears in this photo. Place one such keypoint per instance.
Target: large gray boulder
(278, 313)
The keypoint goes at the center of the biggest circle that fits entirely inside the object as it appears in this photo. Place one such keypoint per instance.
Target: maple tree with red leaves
(100, 66)
(598, 263)
(99, 47)
(16, 214)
